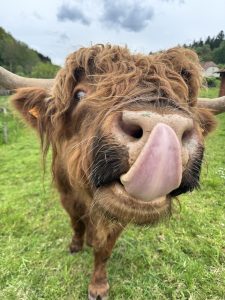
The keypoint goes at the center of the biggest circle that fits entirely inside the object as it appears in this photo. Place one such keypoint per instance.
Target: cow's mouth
(117, 205)
(128, 195)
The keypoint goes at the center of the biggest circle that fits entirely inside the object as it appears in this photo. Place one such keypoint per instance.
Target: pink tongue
(158, 168)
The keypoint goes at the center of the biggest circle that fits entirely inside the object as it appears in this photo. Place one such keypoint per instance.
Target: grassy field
(181, 259)
(210, 92)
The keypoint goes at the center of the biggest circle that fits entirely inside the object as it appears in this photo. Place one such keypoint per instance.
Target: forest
(18, 58)
(210, 49)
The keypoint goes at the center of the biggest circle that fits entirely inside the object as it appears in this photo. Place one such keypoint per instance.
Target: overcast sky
(58, 27)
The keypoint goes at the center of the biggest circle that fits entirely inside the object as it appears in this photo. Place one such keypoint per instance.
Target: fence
(4, 128)
(4, 92)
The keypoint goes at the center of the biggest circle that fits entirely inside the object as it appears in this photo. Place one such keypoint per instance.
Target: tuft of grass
(183, 258)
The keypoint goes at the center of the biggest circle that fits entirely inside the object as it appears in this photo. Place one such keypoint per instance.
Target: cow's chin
(116, 204)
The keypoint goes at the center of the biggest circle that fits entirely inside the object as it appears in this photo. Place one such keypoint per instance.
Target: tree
(218, 40)
(211, 48)
(44, 70)
(204, 52)
(219, 54)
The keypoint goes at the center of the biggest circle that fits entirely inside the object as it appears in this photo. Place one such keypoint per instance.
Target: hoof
(75, 247)
(98, 292)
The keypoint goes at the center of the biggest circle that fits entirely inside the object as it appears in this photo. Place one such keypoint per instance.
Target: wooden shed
(222, 84)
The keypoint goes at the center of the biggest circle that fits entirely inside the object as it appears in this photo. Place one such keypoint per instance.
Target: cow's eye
(79, 95)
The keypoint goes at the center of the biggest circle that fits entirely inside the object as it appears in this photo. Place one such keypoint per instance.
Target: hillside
(17, 57)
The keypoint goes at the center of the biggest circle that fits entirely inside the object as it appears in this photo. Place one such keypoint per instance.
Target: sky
(58, 27)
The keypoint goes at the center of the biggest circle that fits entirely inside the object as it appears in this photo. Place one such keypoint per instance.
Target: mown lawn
(181, 259)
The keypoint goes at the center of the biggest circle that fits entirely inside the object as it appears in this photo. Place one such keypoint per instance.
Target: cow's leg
(90, 232)
(77, 242)
(76, 212)
(99, 287)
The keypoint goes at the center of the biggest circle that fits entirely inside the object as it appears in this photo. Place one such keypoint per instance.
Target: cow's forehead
(115, 70)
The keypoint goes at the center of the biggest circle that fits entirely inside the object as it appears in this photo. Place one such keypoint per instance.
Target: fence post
(4, 125)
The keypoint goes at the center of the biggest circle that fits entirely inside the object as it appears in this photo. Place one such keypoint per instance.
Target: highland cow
(127, 136)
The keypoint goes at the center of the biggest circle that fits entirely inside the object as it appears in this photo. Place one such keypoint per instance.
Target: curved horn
(216, 105)
(12, 81)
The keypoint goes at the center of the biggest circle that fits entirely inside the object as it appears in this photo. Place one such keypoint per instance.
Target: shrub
(211, 82)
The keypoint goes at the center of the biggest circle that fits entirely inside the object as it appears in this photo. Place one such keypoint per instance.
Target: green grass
(210, 92)
(181, 259)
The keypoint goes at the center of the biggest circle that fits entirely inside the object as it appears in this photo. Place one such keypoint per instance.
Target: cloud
(129, 15)
(72, 13)
(37, 15)
(179, 1)
(64, 37)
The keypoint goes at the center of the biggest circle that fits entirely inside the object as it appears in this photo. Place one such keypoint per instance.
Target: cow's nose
(138, 125)
(134, 127)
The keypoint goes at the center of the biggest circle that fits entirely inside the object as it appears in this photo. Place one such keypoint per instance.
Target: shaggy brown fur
(77, 131)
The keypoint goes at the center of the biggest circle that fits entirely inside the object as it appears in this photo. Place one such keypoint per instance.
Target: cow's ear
(33, 105)
(207, 120)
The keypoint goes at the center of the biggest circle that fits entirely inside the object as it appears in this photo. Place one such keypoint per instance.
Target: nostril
(136, 132)
(187, 136)
(131, 129)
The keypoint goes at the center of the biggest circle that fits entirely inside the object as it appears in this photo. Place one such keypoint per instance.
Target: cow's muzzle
(155, 154)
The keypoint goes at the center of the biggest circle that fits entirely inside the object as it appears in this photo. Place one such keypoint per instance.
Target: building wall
(222, 85)
(210, 72)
